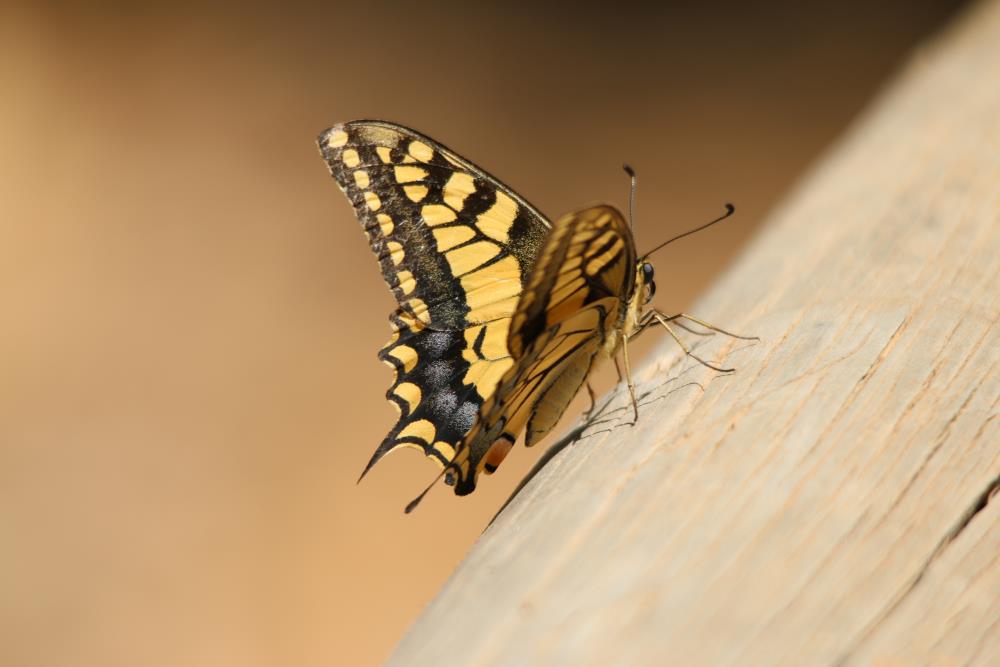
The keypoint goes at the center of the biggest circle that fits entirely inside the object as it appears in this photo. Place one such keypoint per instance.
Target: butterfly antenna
(416, 501)
(631, 196)
(730, 209)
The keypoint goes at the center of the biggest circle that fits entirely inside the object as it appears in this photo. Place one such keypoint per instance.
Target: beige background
(190, 315)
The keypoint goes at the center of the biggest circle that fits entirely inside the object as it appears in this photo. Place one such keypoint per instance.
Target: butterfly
(501, 313)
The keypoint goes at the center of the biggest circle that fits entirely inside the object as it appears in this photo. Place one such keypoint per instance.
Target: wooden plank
(952, 613)
(829, 502)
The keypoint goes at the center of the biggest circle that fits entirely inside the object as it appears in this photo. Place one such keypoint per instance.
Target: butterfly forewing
(455, 247)
(573, 306)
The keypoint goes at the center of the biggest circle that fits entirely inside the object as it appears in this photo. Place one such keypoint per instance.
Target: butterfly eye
(647, 273)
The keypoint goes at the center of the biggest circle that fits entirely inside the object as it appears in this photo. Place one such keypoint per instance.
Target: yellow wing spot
(421, 151)
(406, 281)
(350, 158)
(596, 264)
(469, 257)
(494, 309)
(475, 373)
(406, 355)
(494, 341)
(584, 236)
(374, 203)
(496, 222)
(491, 285)
(384, 153)
(605, 236)
(385, 223)
(471, 334)
(395, 251)
(336, 139)
(410, 321)
(486, 375)
(444, 449)
(409, 392)
(361, 179)
(422, 429)
(505, 269)
(409, 174)
(416, 193)
(420, 311)
(437, 214)
(496, 295)
(449, 237)
(458, 187)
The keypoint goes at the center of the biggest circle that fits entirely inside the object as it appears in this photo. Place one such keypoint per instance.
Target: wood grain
(830, 502)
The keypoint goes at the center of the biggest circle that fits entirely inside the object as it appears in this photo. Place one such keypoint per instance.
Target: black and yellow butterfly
(501, 313)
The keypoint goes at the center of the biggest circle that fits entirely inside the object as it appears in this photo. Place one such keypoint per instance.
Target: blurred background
(190, 313)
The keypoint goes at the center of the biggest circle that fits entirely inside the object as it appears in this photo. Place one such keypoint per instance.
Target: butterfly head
(648, 285)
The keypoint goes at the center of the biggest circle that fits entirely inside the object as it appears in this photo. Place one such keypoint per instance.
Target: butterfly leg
(687, 327)
(628, 379)
(593, 402)
(646, 320)
(676, 319)
(665, 322)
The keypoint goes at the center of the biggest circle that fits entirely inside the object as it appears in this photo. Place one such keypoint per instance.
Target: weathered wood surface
(830, 503)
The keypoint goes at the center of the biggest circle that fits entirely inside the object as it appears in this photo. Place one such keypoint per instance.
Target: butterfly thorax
(627, 322)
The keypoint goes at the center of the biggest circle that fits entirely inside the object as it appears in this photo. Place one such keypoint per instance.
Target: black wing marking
(455, 247)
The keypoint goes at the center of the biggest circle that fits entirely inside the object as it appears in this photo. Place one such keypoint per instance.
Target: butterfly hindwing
(572, 308)
(455, 247)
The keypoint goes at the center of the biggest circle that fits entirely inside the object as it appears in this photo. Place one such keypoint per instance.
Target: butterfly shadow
(603, 416)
